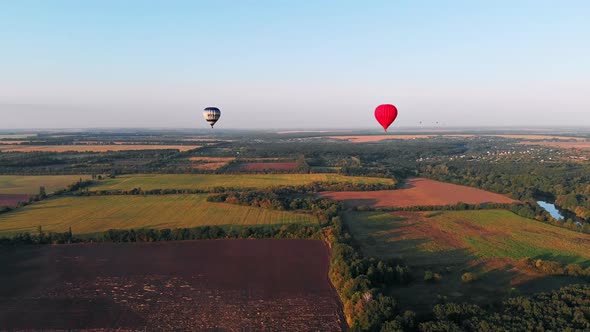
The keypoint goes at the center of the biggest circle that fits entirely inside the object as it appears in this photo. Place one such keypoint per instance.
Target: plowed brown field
(213, 285)
(12, 200)
(418, 192)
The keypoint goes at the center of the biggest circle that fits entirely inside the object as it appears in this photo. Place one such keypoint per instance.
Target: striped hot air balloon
(211, 115)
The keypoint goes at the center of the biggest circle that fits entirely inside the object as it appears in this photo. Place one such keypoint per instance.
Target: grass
(99, 213)
(206, 181)
(483, 233)
(25, 184)
(490, 243)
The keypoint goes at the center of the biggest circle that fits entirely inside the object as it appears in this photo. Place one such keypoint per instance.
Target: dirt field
(210, 163)
(491, 243)
(12, 200)
(561, 145)
(215, 285)
(278, 166)
(92, 148)
(377, 138)
(418, 192)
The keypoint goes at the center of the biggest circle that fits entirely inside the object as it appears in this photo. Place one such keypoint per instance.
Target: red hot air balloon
(385, 115)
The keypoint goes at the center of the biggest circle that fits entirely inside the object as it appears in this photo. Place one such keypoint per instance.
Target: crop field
(100, 213)
(211, 285)
(267, 166)
(561, 145)
(418, 192)
(208, 181)
(29, 184)
(93, 148)
(491, 243)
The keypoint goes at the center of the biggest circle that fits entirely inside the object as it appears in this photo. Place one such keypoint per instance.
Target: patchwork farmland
(100, 213)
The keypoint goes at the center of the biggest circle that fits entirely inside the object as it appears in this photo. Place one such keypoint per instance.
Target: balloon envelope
(385, 115)
(211, 115)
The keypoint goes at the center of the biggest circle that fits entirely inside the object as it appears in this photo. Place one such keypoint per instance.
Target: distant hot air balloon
(211, 115)
(385, 115)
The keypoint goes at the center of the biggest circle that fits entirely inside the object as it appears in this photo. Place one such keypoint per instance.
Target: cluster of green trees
(565, 309)
(286, 198)
(558, 268)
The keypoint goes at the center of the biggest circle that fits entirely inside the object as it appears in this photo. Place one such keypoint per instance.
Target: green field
(491, 243)
(100, 213)
(29, 184)
(482, 233)
(205, 181)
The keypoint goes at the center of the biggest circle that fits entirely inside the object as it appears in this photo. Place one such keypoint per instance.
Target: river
(550, 207)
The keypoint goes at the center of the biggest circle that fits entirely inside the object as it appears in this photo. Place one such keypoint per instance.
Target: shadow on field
(496, 279)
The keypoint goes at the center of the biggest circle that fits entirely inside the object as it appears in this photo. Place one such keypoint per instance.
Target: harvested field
(100, 213)
(418, 192)
(561, 145)
(491, 243)
(215, 285)
(12, 200)
(208, 181)
(257, 167)
(29, 184)
(93, 148)
(377, 138)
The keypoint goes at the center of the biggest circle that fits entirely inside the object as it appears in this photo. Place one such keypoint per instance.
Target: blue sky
(293, 64)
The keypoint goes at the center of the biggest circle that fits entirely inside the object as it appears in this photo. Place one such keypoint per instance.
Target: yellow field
(29, 184)
(206, 181)
(93, 148)
(100, 213)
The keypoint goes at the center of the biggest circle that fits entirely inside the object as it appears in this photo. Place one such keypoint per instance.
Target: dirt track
(224, 285)
(418, 192)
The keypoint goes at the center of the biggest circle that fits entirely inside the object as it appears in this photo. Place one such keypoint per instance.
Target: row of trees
(361, 283)
(296, 231)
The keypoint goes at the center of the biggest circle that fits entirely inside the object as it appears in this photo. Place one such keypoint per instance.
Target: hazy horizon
(269, 64)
